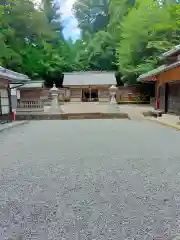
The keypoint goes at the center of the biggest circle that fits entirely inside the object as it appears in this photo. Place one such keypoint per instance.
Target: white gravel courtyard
(91, 179)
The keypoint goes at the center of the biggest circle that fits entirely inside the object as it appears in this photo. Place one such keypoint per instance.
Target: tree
(125, 36)
(92, 15)
(146, 31)
(19, 21)
(40, 50)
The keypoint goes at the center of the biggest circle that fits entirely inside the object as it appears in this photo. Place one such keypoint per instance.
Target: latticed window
(4, 102)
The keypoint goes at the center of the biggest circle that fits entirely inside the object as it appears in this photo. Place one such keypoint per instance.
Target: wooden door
(162, 91)
(5, 108)
(174, 98)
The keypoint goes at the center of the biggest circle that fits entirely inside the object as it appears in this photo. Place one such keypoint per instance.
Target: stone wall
(43, 116)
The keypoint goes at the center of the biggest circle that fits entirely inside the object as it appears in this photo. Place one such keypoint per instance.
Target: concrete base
(113, 108)
(29, 110)
(75, 99)
(11, 125)
(68, 116)
(153, 113)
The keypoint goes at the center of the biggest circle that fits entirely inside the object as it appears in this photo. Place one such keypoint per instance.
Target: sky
(70, 23)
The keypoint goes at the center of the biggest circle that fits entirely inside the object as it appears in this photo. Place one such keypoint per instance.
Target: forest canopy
(126, 36)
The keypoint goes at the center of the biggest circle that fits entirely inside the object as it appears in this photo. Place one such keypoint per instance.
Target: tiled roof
(32, 84)
(89, 78)
(158, 70)
(79, 78)
(172, 51)
(12, 76)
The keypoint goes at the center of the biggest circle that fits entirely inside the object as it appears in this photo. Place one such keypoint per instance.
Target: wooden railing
(33, 104)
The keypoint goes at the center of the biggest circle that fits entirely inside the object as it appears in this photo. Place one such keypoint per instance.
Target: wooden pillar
(10, 102)
(90, 93)
(166, 97)
(157, 95)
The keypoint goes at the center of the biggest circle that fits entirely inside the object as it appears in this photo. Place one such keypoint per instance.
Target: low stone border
(8, 126)
(133, 102)
(69, 116)
(153, 113)
(165, 124)
(169, 125)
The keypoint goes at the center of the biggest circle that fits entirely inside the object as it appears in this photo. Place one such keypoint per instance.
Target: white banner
(18, 94)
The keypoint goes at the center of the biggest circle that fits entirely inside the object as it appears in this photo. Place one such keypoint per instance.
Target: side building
(167, 79)
(8, 79)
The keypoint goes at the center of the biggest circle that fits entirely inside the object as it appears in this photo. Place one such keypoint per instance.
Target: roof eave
(97, 84)
(19, 81)
(13, 77)
(15, 81)
(169, 53)
(142, 77)
(31, 86)
(87, 72)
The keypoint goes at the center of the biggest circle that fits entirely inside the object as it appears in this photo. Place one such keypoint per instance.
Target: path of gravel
(92, 179)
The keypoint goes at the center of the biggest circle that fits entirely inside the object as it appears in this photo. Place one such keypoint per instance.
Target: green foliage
(118, 77)
(147, 29)
(31, 41)
(92, 15)
(130, 37)
(126, 36)
(93, 18)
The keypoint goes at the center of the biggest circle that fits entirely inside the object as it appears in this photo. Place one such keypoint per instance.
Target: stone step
(153, 113)
(70, 116)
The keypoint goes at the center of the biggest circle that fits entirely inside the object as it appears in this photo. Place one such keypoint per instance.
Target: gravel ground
(92, 179)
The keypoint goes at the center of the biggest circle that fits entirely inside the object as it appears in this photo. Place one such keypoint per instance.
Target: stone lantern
(55, 106)
(113, 91)
(54, 89)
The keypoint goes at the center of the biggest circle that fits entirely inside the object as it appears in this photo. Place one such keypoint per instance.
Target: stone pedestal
(55, 108)
(112, 91)
(113, 99)
(113, 107)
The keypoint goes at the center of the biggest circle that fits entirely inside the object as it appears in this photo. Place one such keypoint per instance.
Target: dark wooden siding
(162, 97)
(5, 102)
(174, 98)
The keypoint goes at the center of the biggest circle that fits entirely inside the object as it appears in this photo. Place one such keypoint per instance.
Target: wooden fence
(33, 105)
